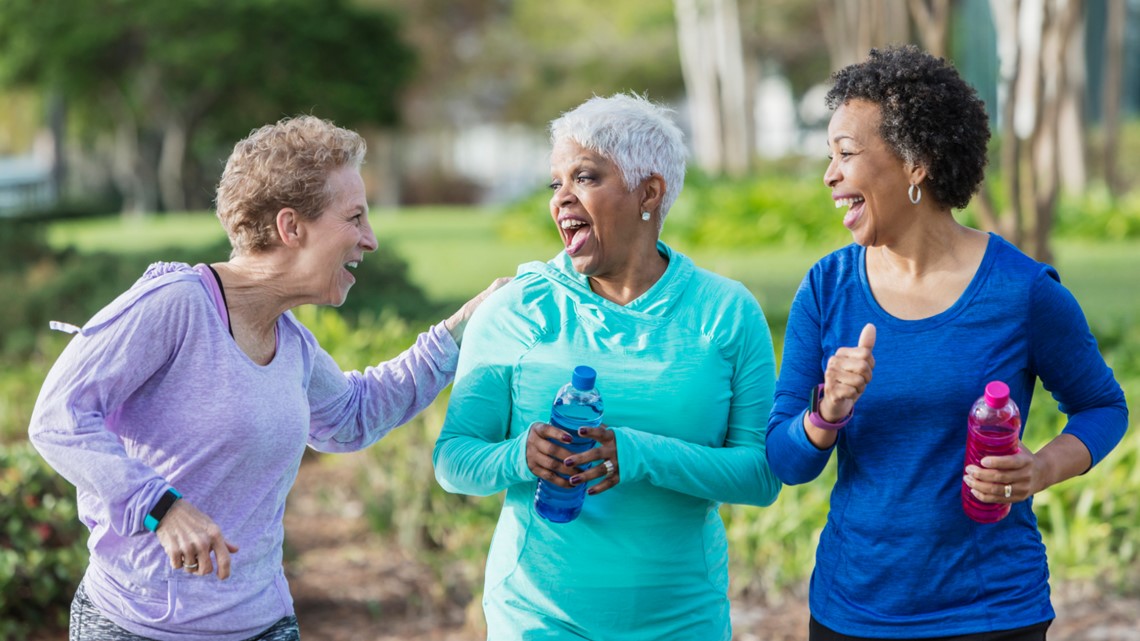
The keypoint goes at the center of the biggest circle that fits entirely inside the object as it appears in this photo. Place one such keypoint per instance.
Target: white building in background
(509, 161)
(777, 129)
(25, 184)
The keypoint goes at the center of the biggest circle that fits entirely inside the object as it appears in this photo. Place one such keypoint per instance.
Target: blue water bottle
(578, 404)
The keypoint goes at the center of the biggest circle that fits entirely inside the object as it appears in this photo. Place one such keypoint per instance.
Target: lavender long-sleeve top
(154, 393)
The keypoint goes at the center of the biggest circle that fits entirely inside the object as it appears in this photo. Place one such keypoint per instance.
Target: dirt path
(350, 585)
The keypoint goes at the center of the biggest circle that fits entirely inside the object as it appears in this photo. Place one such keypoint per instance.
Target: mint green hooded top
(687, 374)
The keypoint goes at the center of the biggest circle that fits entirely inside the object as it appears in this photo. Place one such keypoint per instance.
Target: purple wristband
(816, 419)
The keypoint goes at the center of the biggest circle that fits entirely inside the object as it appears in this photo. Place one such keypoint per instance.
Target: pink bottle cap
(997, 394)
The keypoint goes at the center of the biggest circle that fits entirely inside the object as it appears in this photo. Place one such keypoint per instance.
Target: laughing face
(338, 239)
(598, 217)
(867, 178)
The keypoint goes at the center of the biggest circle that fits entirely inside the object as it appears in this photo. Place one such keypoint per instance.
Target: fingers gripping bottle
(577, 404)
(992, 429)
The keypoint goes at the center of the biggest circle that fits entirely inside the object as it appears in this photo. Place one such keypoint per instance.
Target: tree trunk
(716, 82)
(698, 68)
(734, 89)
(1072, 79)
(175, 136)
(852, 28)
(1039, 46)
(933, 20)
(57, 123)
(1113, 81)
(134, 158)
(1005, 12)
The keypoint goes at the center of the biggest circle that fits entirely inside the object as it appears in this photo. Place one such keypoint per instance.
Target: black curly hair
(930, 116)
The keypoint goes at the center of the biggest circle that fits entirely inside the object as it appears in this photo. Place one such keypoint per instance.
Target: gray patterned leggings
(89, 624)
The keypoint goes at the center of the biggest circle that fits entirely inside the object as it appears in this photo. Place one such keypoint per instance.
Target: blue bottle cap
(583, 378)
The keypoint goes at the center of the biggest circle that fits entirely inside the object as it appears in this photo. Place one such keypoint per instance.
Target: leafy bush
(448, 532)
(794, 209)
(1096, 215)
(787, 208)
(42, 544)
(20, 382)
(1090, 523)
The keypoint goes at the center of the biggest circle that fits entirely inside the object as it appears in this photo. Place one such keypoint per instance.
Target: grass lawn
(125, 235)
(454, 252)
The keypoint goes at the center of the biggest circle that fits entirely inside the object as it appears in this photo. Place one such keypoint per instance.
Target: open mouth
(854, 205)
(575, 232)
(349, 266)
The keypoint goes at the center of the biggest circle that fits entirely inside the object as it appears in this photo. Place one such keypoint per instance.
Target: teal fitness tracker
(154, 517)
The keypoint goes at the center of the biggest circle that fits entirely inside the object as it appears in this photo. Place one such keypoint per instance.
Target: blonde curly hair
(286, 164)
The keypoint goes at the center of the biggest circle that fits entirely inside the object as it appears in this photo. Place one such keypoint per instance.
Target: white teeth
(570, 223)
(847, 202)
(352, 264)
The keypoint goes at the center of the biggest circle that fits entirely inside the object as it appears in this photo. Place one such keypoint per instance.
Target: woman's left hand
(1021, 473)
(457, 322)
(606, 452)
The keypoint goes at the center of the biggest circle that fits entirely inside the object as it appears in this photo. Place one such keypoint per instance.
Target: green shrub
(1091, 524)
(42, 544)
(1096, 215)
(791, 209)
(787, 209)
(794, 209)
(20, 381)
(448, 532)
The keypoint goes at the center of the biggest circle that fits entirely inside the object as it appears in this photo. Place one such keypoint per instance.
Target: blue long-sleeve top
(898, 557)
(686, 372)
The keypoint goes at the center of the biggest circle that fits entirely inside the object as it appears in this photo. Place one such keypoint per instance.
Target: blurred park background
(117, 115)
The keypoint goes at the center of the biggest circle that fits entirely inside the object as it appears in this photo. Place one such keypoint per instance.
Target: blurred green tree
(529, 60)
(174, 78)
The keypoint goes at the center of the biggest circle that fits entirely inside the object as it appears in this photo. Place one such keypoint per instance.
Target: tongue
(581, 235)
(853, 214)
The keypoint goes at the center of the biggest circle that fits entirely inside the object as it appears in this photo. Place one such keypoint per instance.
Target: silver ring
(190, 567)
(609, 467)
(1008, 491)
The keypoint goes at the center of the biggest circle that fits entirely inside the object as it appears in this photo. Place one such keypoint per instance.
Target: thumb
(867, 336)
(232, 548)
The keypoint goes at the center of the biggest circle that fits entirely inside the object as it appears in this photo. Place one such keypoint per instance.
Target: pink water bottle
(992, 429)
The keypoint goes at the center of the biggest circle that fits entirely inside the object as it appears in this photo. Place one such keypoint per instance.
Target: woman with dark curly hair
(936, 310)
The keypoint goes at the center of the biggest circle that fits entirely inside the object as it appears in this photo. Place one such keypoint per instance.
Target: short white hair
(635, 134)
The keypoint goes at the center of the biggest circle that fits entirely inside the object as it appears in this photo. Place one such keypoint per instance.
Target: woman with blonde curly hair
(181, 410)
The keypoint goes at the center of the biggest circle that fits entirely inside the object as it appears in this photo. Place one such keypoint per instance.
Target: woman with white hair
(685, 362)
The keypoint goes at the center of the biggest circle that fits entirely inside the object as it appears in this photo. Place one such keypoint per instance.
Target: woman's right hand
(545, 458)
(844, 381)
(188, 536)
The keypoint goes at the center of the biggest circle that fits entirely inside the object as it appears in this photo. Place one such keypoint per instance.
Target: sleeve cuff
(800, 439)
(629, 460)
(522, 470)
